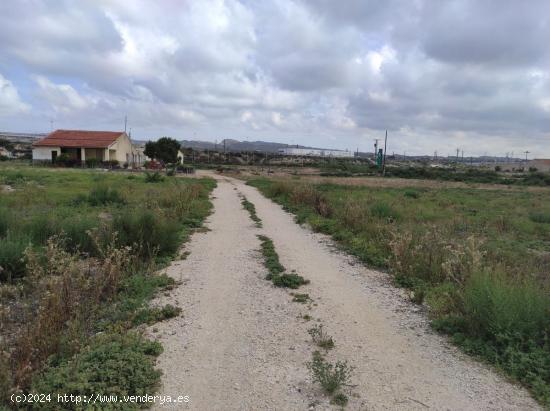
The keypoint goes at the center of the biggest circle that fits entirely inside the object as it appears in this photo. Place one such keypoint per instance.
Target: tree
(164, 149)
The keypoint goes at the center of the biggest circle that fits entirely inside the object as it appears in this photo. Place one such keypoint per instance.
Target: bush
(92, 162)
(495, 307)
(114, 364)
(5, 220)
(155, 177)
(152, 233)
(41, 227)
(12, 250)
(540, 217)
(103, 195)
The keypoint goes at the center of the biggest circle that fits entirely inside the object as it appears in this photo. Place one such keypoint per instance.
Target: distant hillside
(235, 145)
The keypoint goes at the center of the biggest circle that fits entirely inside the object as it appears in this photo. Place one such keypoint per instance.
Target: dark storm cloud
(317, 72)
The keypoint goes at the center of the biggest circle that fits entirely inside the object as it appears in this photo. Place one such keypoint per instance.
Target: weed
(301, 298)
(271, 258)
(306, 317)
(155, 177)
(151, 315)
(113, 364)
(320, 337)
(252, 211)
(103, 195)
(332, 377)
(288, 280)
(339, 399)
(540, 217)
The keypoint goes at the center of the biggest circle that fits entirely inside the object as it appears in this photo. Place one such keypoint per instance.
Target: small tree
(165, 150)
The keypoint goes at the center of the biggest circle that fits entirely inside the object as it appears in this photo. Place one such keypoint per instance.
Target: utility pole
(526, 152)
(384, 159)
(457, 151)
(375, 148)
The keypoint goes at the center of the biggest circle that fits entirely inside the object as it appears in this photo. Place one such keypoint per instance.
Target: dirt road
(242, 344)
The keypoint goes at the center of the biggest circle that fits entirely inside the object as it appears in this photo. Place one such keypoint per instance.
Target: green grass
(276, 271)
(70, 330)
(112, 364)
(271, 258)
(479, 258)
(248, 206)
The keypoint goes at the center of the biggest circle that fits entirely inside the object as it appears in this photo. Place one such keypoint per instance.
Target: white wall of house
(121, 150)
(44, 153)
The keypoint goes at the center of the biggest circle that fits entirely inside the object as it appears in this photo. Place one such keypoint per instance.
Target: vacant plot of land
(247, 343)
(479, 258)
(78, 256)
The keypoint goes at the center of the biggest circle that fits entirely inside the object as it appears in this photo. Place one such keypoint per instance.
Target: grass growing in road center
(248, 206)
(277, 273)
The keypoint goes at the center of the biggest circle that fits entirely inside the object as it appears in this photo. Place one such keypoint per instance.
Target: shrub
(495, 307)
(151, 233)
(155, 177)
(540, 217)
(92, 162)
(331, 376)
(12, 250)
(383, 210)
(5, 219)
(41, 227)
(411, 193)
(114, 364)
(308, 195)
(103, 195)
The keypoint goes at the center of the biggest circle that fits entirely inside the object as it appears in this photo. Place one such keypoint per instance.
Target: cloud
(10, 102)
(436, 74)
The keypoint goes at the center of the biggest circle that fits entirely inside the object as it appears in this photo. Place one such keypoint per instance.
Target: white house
(83, 145)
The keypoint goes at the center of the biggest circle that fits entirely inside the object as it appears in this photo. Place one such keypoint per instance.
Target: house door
(54, 156)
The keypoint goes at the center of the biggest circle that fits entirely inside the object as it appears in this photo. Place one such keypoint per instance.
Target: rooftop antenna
(125, 122)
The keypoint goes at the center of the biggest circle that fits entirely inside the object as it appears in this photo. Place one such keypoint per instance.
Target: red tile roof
(79, 138)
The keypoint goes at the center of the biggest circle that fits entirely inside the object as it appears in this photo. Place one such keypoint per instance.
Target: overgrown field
(480, 259)
(79, 252)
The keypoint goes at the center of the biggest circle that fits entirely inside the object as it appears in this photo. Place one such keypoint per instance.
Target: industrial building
(315, 152)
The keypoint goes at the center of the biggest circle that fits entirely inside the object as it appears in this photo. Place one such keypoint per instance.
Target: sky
(472, 75)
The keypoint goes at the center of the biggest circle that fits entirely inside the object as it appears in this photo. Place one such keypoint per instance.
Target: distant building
(314, 152)
(82, 145)
(4, 152)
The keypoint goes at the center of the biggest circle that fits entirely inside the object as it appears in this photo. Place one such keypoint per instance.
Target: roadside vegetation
(79, 256)
(478, 258)
(451, 172)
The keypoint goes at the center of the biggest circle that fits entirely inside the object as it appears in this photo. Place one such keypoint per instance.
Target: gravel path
(242, 344)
